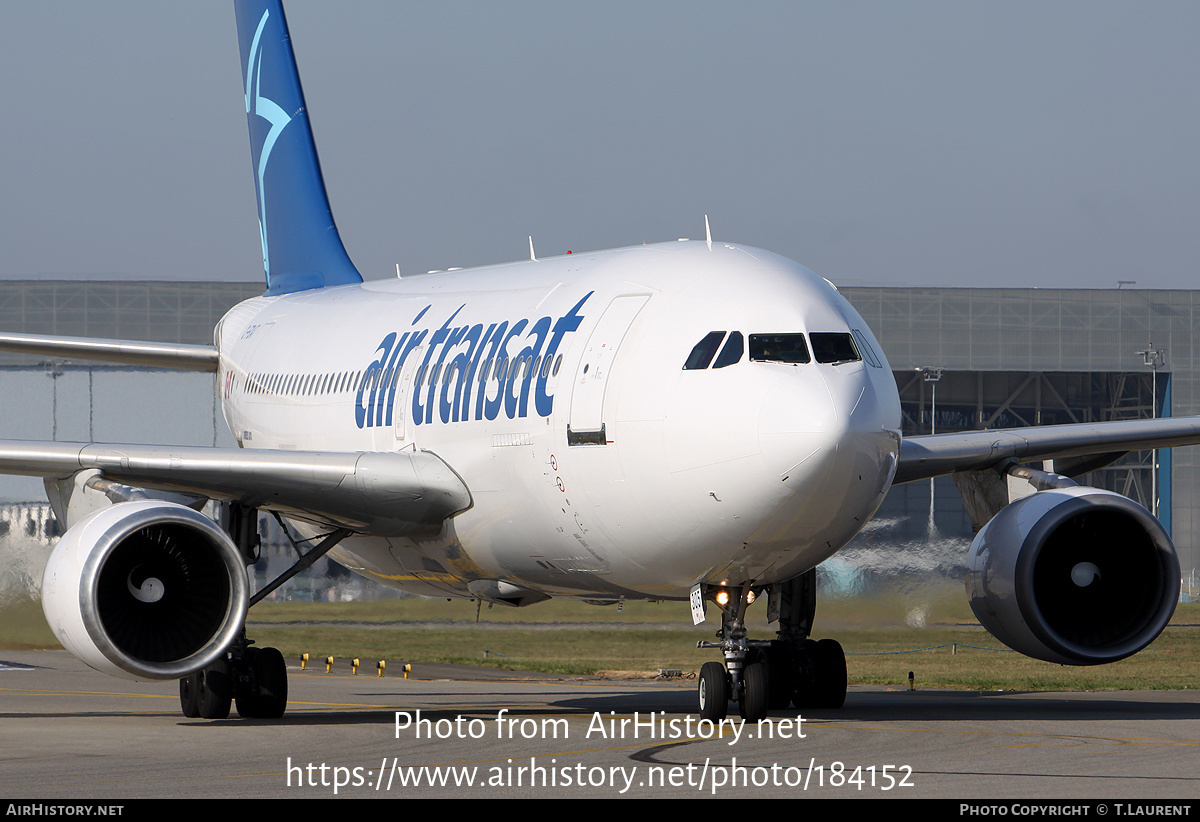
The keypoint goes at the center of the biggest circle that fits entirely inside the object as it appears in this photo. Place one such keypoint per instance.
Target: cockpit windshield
(789, 348)
(834, 347)
(828, 347)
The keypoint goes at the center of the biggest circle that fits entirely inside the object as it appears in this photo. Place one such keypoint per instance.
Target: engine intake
(1077, 576)
(146, 590)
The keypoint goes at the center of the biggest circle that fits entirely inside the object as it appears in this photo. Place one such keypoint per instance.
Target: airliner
(695, 421)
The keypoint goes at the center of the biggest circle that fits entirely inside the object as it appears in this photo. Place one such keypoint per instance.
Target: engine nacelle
(1077, 576)
(146, 590)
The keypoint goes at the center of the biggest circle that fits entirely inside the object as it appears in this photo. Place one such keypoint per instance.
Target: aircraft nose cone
(797, 420)
(826, 423)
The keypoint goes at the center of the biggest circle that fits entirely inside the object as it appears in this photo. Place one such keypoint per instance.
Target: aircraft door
(586, 424)
(402, 411)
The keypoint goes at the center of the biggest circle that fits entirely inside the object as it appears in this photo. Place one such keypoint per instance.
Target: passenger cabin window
(837, 347)
(732, 352)
(789, 348)
(703, 352)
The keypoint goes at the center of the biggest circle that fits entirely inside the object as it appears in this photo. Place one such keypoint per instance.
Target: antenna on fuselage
(707, 233)
(398, 277)
(532, 256)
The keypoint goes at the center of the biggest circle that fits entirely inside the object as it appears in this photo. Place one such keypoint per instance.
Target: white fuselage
(597, 465)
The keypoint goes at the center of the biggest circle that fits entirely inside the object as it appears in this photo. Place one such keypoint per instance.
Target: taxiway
(68, 732)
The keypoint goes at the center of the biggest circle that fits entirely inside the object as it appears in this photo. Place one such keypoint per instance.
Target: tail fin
(300, 243)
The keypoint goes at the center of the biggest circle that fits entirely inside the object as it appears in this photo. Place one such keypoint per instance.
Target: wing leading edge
(933, 455)
(124, 352)
(368, 492)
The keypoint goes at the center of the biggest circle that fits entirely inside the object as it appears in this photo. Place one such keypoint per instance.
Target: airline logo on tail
(300, 244)
(270, 111)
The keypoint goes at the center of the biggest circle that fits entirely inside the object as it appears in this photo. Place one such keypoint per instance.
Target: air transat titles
(467, 372)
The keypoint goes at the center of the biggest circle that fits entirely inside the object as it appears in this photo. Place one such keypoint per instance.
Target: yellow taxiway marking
(51, 692)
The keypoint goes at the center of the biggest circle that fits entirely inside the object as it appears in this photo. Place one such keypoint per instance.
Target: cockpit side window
(789, 348)
(864, 348)
(703, 352)
(834, 347)
(732, 352)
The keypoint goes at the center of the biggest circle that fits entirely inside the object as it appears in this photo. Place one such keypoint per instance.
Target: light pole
(931, 374)
(53, 371)
(1153, 359)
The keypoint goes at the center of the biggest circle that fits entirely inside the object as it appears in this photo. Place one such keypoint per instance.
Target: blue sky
(930, 143)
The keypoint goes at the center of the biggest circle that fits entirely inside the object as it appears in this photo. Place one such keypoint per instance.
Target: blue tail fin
(300, 243)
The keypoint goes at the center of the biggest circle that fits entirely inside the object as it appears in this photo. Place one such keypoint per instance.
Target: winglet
(300, 243)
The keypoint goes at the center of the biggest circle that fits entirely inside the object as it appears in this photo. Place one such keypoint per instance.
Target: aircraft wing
(376, 492)
(932, 455)
(126, 352)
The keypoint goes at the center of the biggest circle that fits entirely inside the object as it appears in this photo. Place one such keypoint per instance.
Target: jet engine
(1077, 576)
(146, 590)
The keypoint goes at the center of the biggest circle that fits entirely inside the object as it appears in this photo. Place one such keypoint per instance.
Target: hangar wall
(1008, 357)
(71, 401)
(1053, 355)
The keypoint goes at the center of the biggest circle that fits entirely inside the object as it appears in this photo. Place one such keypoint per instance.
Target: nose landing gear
(761, 675)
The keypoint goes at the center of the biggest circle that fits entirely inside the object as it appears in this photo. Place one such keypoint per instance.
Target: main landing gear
(255, 679)
(762, 675)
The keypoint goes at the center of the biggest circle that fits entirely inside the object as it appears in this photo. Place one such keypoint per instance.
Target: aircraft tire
(781, 661)
(264, 696)
(755, 691)
(804, 683)
(271, 673)
(247, 695)
(830, 662)
(189, 687)
(713, 691)
(215, 692)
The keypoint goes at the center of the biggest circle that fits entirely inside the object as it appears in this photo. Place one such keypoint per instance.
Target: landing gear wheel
(214, 691)
(755, 687)
(781, 661)
(713, 691)
(272, 684)
(247, 691)
(829, 661)
(189, 688)
(264, 695)
(804, 684)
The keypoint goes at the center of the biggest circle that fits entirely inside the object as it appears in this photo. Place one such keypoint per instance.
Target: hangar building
(964, 358)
